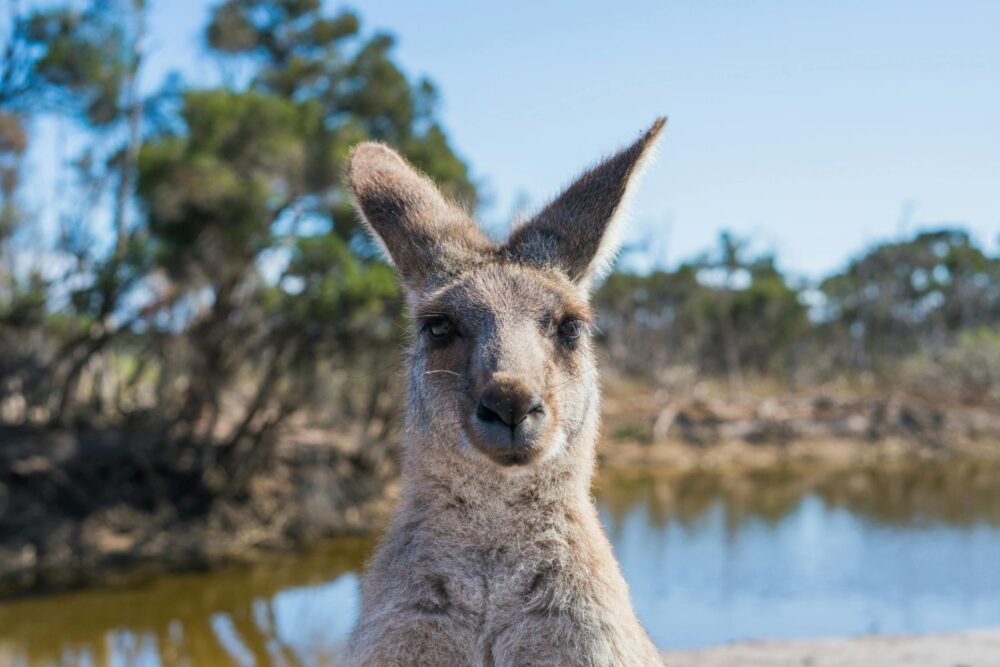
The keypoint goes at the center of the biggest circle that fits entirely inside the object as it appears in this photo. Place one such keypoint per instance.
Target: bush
(969, 370)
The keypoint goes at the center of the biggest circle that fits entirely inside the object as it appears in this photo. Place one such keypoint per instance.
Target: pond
(710, 558)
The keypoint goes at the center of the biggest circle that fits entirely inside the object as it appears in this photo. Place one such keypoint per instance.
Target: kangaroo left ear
(579, 232)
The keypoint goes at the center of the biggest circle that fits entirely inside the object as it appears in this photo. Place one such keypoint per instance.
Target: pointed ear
(579, 231)
(420, 232)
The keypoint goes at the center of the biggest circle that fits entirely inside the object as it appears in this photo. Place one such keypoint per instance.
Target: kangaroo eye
(439, 329)
(570, 330)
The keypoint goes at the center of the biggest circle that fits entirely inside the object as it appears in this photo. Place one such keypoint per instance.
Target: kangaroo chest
(481, 585)
(488, 571)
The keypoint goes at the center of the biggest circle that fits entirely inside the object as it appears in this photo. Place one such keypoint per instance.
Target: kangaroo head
(501, 362)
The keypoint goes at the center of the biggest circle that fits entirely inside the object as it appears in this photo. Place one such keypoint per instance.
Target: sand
(967, 649)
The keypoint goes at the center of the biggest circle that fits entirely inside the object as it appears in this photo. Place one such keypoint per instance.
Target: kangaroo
(496, 556)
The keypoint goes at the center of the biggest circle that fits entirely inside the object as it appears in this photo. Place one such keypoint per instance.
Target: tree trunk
(731, 348)
(133, 111)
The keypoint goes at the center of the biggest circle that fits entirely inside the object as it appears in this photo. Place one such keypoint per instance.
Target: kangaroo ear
(579, 231)
(421, 233)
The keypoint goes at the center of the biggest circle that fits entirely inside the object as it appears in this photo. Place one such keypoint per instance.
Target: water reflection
(960, 492)
(290, 610)
(710, 558)
(795, 553)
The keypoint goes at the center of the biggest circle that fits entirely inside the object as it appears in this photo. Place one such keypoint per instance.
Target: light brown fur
(496, 557)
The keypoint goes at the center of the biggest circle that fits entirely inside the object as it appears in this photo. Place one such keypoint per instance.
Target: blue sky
(815, 127)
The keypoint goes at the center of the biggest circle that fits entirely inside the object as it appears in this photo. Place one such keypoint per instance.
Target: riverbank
(83, 505)
(87, 506)
(706, 429)
(968, 649)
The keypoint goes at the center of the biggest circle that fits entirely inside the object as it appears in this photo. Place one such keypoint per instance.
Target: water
(709, 558)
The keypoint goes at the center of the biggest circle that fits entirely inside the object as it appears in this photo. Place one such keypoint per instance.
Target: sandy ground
(968, 649)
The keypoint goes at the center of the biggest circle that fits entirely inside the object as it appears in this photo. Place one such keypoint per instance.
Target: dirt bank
(967, 649)
(79, 505)
(750, 432)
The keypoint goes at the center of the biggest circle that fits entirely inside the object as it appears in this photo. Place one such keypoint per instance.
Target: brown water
(710, 559)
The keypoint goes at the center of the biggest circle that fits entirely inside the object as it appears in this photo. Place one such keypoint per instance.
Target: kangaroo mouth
(508, 448)
(512, 459)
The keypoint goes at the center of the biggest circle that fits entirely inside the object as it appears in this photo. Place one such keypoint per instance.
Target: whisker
(570, 380)
(441, 370)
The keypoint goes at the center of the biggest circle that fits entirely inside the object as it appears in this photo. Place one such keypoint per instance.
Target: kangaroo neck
(479, 493)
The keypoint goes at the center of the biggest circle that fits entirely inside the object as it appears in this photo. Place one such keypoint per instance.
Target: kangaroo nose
(507, 403)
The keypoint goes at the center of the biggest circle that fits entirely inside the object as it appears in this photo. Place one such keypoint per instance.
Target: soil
(644, 428)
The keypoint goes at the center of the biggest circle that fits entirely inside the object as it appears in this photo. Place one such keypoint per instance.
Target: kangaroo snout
(510, 403)
(509, 421)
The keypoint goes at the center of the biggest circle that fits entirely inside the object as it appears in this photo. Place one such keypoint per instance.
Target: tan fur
(489, 564)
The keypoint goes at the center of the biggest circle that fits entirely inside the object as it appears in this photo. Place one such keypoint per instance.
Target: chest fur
(491, 566)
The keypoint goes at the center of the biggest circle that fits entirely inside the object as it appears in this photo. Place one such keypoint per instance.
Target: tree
(239, 288)
(726, 312)
(351, 84)
(254, 175)
(15, 67)
(89, 67)
(84, 64)
(901, 295)
(652, 322)
(728, 261)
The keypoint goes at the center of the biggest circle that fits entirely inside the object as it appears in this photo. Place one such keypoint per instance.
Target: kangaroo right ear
(421, 233)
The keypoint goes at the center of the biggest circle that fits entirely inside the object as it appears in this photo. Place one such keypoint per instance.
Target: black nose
(510, 404)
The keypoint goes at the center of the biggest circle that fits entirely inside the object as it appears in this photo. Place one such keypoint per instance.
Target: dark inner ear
(423, 234)
(576, 232)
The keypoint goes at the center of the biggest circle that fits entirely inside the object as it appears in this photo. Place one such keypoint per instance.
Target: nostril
(486, 413)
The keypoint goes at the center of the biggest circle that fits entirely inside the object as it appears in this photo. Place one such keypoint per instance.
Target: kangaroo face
(501, 362)
(505, 351)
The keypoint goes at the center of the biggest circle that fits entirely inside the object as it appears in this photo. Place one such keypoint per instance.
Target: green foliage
(635, 432)
(723, 310)
(24, 307)
(729, 313)
(85, 57)
(768, 316)
(967, 370)
(339, 298)
(653, 321)
(213, 192)
(354, 85)
(899, 295)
